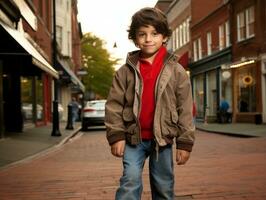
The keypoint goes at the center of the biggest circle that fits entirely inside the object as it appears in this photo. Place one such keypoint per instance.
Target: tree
(98, 64)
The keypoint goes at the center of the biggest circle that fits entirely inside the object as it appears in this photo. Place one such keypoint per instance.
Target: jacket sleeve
(186, 126)
(115, 129)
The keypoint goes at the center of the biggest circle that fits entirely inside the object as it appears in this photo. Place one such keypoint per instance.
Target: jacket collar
(133, 58)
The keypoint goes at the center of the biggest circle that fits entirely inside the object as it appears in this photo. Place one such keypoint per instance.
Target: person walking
(75, 109)
(148, 107)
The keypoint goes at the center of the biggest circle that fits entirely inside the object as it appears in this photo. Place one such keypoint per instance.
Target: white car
(27, 111)
(93, 113)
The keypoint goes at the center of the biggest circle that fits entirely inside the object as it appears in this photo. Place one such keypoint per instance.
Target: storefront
(210, 83)
(247, 91)
(26, 81)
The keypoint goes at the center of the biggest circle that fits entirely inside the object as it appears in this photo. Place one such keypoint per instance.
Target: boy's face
(149, 40)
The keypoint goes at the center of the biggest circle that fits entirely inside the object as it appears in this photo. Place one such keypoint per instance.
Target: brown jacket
(173, 110)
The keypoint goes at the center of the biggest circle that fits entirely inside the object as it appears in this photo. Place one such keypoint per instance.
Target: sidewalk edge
(227, 133)
(41, 153)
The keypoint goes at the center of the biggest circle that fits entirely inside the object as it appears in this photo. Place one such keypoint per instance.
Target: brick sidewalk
(221, 167)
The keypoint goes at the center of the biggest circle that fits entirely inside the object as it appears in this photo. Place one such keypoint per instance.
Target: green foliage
(98, 64)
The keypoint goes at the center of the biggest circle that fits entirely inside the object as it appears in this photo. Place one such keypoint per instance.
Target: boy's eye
(141, 34)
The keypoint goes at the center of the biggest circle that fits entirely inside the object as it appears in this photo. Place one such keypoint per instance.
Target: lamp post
(55, 131)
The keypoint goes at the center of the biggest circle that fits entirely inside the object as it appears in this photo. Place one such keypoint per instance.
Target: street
(220, 167)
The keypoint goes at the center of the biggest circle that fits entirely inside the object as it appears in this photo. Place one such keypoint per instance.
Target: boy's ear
(165, 39)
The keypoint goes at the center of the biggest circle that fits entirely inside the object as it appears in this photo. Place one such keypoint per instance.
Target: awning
(37, 58)
(63, 64)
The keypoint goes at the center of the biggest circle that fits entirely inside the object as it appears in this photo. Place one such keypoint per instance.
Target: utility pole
(55, 131)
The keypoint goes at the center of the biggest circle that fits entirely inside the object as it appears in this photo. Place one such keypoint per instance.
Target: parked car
(27, 111)
(93, 113)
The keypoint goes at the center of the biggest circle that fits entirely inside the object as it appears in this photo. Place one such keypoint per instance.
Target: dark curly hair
(149, 16)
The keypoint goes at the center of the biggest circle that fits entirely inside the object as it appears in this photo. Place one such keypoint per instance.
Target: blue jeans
(160, 171)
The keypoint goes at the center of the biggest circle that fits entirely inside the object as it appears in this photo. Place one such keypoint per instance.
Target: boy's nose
(148, 38)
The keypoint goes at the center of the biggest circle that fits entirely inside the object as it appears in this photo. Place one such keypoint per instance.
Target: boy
(149, 104)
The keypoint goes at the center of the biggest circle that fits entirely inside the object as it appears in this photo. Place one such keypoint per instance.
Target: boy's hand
(118, 148)
(182, 156)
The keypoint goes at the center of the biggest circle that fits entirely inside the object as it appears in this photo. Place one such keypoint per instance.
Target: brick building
(211, 49)
(248, 24)
(226, 50)
(25, 57)
(26, 71)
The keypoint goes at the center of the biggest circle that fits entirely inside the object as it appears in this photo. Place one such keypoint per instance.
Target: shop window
(198, 93)
(39, 98)
(246, 89)
(32, 98)
(211, 93)
(26, 98)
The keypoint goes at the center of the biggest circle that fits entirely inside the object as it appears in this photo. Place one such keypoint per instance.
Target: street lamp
(55, 131)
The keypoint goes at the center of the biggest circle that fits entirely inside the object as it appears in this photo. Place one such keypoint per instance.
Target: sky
(109, 20)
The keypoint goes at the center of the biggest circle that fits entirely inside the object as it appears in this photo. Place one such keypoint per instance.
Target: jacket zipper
(140, 96)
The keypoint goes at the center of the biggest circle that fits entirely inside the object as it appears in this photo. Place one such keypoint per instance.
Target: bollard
(69, 118)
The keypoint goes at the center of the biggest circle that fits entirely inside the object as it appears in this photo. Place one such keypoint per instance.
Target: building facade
(27, 74)
(68, 58)
(248, 24)
(25, 57)
(211, 50)
(225, 44)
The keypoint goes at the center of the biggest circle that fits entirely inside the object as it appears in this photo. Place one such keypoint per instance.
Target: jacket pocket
(129, 121)
(169, 123)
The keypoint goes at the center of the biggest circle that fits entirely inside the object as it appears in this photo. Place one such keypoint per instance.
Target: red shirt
(149, 73)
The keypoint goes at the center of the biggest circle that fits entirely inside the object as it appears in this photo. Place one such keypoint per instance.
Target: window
(184, 32)
(211, 93)
(240, 26)
(197, 50)
(188, 37)
(59, 36)
(227, 34)
(224, 35)
(198, 94)
(173, 40)
(221, 37)
(250, 22)
(245, 24)
(177, 38)
(246, 89)
(209, 43)
(181, 34)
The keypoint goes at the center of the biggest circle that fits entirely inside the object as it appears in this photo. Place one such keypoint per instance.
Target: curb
(227, 133)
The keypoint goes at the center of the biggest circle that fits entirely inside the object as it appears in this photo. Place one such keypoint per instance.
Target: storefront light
(242, 64)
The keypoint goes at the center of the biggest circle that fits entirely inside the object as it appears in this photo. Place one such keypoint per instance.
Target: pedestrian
(148, 106)
(75, 109)
(225, 115)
